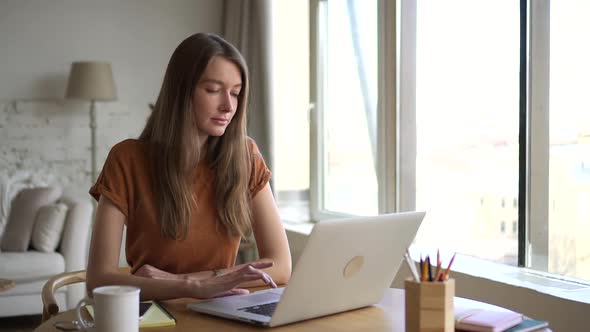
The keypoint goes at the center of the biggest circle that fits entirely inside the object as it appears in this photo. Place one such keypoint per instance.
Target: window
(514, 227)
(569, 139)
(345, 109)
(458, 108)
(467, 123)
(290, 76)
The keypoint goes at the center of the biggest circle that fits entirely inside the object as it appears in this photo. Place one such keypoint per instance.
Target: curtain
(247, 25)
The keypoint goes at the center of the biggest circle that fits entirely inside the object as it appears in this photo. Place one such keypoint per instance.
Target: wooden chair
(50, 307)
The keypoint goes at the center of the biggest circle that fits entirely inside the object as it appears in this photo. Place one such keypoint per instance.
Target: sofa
(29, 267)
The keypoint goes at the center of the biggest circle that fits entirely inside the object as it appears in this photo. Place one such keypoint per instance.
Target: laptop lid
(346, 264)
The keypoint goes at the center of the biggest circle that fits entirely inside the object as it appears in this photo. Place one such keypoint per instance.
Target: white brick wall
(42, 132)
(54, 137)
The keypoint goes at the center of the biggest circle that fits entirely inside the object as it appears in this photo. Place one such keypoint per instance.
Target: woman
(190, 188)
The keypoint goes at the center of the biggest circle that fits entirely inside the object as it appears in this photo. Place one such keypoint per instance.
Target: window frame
(535, 235)
(387, 117)
(396, 114)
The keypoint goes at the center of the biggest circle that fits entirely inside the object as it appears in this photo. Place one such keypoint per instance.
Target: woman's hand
(225, 284)
(148, 271)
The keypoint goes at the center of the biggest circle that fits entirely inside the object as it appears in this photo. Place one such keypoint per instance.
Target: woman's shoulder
(252, 146)
(260, 174)
(129, 148)
(129, 145)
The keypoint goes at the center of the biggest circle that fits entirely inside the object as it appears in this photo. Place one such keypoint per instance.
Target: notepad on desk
(156, 316)
(528, 325)
(482, 320)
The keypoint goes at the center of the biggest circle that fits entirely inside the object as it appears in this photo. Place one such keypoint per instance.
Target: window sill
(540, 282)
(301, 228)
(544, 283)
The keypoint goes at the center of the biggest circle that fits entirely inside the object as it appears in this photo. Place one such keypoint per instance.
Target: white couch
(31, 269)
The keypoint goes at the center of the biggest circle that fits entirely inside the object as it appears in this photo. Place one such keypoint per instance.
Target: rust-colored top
(126, 181)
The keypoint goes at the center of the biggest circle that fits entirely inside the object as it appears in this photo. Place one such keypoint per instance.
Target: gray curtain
(247, 25)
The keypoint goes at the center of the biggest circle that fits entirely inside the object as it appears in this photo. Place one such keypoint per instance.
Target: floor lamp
(92, 81)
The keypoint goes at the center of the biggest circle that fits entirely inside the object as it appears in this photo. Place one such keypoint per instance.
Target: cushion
(49, 226)
(12, 182)
(23, 212)
(30, 266)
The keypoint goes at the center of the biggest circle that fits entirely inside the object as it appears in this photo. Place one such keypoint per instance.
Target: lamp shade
(91, 81)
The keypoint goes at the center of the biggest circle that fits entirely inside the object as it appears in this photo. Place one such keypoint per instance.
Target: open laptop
(346, 264)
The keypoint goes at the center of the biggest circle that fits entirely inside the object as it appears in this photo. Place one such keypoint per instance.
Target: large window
(569, 138)
(467, 107)
(290, 76)
(475, 111)
(345, 110)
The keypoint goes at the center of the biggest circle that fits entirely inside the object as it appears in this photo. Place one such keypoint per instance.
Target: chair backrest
(50, 306)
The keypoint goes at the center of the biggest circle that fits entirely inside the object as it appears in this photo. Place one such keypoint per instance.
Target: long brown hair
(171, 129)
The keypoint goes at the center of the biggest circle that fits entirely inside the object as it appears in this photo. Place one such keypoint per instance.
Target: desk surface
(387, 315)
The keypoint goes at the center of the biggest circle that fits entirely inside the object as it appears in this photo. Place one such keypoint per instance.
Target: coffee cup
(115, 309)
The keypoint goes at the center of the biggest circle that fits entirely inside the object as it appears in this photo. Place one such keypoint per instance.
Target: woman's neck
(203, 148)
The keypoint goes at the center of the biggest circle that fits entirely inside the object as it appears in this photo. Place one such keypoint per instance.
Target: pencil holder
(429, 306)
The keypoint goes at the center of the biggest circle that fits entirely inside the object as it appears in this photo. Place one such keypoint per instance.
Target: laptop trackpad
(264, 296)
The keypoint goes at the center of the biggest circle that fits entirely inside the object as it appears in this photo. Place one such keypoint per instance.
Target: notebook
(528, 325)
(482, 320)
(346, 264)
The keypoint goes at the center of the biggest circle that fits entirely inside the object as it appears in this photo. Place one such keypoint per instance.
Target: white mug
(116, 309)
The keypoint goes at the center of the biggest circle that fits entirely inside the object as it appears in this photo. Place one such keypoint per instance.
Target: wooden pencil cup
(429, 306)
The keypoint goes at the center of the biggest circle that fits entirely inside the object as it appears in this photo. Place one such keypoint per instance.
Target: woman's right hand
(224, 285)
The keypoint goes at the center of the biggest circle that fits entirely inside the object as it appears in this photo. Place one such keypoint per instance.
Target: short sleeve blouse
(126, 181)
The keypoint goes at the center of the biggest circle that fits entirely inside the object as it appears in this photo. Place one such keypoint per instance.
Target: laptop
(346, 264)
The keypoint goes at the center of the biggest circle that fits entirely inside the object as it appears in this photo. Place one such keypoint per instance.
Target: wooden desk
(387, 315)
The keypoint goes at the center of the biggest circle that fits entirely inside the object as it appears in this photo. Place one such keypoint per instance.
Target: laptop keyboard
(266, 309)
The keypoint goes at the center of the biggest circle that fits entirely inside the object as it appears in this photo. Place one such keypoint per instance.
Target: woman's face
(215, 97)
